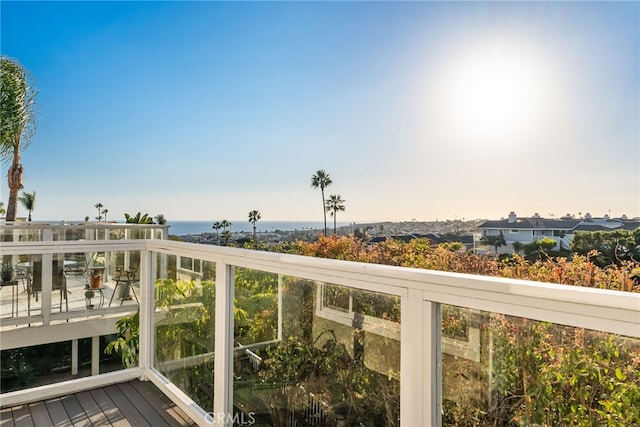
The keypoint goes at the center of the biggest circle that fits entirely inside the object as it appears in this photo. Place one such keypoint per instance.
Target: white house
(527, 230)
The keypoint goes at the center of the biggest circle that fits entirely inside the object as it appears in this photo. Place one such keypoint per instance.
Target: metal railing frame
(421, 294)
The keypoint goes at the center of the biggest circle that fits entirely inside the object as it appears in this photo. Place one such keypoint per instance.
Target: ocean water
(181, 228)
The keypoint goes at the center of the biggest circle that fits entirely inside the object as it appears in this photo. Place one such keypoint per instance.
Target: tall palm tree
(28, 200)
(333, 205)
(322, 180)
(17, 123)
(217, 226)
(99, 207)
(3, 211)
(254, 216)
(104, 211)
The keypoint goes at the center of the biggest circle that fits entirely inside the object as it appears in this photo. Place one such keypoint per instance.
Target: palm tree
(321, 180)
(160, 219)
(254, 216)
(99, 207)
(17, 123)
(226, 235)
(217, 226)
(28, 200)
(333, 205)
(104, 211)
(3, 211)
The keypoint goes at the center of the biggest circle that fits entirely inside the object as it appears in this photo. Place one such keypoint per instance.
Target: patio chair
(22, 274)
(59, 283)
(125, 278)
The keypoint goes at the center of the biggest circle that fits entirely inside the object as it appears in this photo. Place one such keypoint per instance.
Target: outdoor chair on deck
(58, 283)
(125, 278)
(23, 275)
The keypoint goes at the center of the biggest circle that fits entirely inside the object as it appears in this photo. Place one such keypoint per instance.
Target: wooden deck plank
(166, 408)
(153, 413)
(175, 407)
(111, 411)
(22, 416)
(131, 404)
(74, 410)
(40, 415)
(6, 418)
(57, 413)
(125, 406)
(91, 408)
(150, 414)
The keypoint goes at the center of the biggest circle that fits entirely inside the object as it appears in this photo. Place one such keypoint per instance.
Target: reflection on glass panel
(117, 233)
(184, 325)
(516, 371)
(330, 364)
(31, 270)
(68, 232)
(336, 297)
(13, 286)
(27, 367)
(20, 234)
(256, 307)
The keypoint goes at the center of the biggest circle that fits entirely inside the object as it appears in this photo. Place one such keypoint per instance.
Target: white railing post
(74, 357)
(95, 355)
(412, 358)
(47, 286)
(223, 372)
(279, 336)
(432, 328)
(146, 308)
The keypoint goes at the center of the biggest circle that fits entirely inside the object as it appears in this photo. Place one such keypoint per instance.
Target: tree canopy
(17, 123)
(612, 247)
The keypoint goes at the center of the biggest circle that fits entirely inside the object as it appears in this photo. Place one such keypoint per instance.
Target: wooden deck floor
(134, 403)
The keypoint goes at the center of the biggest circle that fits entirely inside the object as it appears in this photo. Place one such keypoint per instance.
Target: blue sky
(207, 110)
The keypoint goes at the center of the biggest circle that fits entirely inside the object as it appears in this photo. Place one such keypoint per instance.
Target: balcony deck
(134, 403)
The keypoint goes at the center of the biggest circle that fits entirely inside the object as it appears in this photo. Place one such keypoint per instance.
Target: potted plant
(88, 294)
(6, 272)
(95, 277)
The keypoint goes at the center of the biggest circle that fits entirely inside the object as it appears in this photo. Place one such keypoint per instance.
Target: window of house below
(514, 231)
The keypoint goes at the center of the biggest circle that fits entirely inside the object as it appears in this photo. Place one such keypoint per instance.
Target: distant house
(527, 230)
(466, 239)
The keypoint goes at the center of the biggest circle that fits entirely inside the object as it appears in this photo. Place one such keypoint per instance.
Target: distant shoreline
(183, 228)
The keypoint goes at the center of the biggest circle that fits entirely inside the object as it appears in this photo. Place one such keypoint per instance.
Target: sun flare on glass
(493, 92)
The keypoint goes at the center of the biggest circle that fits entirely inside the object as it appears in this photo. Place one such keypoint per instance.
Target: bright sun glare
(493, 92)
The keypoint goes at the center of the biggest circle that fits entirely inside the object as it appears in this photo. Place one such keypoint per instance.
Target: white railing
(21, 231)
(421, 293)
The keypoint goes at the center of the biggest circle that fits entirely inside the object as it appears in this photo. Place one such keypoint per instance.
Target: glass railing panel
(69, 232)
(37, 365)
(20, 233)
(335, 359)
(14, 285)
(117, 233)
(504, 370)
(256, 307)
(184, 324)
(79, 282)
(31, 276)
